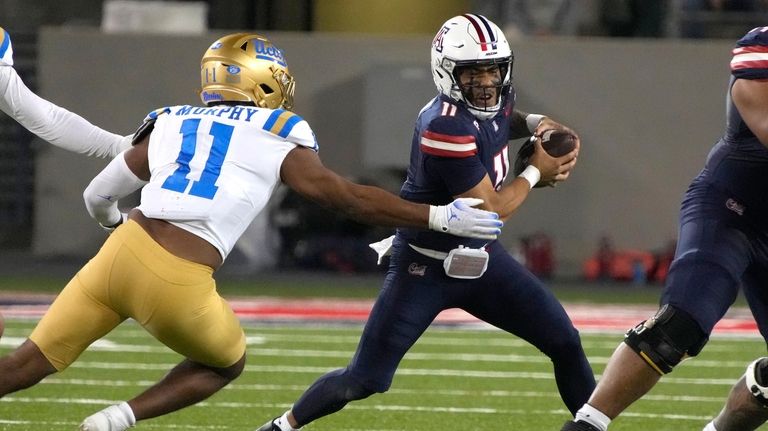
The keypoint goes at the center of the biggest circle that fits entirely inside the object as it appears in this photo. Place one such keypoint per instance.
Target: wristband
(435, 221)
(532, 121)
(531, 174)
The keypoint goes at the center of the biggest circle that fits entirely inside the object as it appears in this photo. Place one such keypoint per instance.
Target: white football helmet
(471, 40)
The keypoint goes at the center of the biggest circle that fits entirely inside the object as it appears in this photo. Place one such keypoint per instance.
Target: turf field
(455, 378)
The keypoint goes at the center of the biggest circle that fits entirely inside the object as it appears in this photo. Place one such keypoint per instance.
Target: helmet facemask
(483, 85)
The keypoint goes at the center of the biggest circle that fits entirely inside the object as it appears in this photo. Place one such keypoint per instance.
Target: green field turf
(453, 379)
(329, 285)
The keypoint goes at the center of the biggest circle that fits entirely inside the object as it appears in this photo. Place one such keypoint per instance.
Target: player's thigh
(175, 300)
(74, 321)
(407, 304)
(711, 258)
(513, 299)
(196, 322)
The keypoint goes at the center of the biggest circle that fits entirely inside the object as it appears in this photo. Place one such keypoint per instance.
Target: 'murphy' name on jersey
(232, 112)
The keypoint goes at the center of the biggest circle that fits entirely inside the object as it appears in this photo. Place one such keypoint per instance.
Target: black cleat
(568, 426)
(269, 426)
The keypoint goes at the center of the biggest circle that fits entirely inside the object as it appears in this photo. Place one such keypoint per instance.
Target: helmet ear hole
(266, 89)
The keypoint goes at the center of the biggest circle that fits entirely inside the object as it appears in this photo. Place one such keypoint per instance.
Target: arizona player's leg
(712, 255)
(413, 294)
(746, 408)
(513, 299)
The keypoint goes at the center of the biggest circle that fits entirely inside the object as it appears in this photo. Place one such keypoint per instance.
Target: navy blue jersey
(451, 152)
(738, 163)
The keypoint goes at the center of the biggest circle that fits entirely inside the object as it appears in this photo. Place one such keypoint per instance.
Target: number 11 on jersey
(205, 187)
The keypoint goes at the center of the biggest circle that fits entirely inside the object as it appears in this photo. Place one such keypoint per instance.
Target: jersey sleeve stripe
(447, 153)
(288, 125)
(281, 122)
(272, 119)
(156, 113)
(444, 149)
(748, 49)
(751, 60)
(449, 139)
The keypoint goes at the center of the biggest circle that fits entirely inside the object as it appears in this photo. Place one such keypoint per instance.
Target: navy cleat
(575, 426)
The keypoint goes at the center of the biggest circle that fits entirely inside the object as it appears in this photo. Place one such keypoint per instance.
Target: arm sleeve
(53, 123)
(113, 183)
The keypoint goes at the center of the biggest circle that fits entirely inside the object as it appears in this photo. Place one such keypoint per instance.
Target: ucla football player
(460, 149)
(206, 172)
(722, 246)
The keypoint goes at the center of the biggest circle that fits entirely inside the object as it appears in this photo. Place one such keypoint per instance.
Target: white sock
(593, 416)
(710, 427)
(283, 424)
(128, 412)
(117, 417)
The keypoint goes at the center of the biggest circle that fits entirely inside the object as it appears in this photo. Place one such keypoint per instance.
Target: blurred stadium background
(641, 80)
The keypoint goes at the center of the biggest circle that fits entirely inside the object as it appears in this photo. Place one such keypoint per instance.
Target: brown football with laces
(556, 142)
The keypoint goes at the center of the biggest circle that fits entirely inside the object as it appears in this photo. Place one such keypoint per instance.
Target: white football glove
(460, 219)
(6, 49)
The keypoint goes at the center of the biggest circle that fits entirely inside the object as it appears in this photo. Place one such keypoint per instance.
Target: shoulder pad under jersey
(147, 126)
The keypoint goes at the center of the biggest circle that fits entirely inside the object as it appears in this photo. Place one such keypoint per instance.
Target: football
(556, 142)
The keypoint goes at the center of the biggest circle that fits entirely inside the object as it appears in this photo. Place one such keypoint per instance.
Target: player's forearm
(517, 125)
(53, 123)
(113, 183)
(375, 206)
(523, 124)
(511, 197)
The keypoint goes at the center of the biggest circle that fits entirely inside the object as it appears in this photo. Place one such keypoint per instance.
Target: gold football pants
(174, 299)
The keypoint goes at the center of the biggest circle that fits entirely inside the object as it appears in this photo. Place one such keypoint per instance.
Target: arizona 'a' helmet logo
(438, 41)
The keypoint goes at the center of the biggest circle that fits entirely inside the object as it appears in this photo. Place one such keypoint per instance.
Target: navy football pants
(719, 251)
(415, 290)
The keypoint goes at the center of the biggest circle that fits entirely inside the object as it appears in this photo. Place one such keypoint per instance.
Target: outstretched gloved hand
(460, 219)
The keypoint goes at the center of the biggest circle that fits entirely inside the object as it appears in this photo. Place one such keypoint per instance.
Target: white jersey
(213, 169)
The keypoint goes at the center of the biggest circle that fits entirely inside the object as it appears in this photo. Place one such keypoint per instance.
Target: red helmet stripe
(479, 31)
(479, 22)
